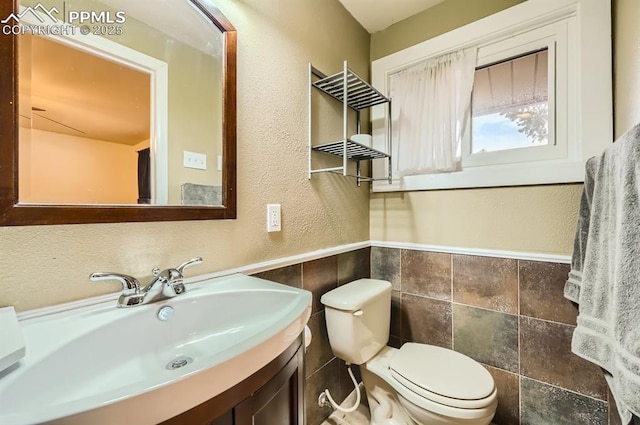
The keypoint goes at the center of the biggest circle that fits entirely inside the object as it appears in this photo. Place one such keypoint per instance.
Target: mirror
(117, 112)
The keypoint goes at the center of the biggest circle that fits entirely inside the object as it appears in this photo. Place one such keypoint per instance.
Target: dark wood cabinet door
(272, 396)
(226, 419)
(279, 402)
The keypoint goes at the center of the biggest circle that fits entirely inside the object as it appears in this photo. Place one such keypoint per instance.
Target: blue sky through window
(495, 132)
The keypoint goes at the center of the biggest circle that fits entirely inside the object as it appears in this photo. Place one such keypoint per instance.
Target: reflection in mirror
(83, 121)
(91, 133)
(124, 104)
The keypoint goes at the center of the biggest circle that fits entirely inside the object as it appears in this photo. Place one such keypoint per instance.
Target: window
(510, 106)
(541, 103)
(514, 100)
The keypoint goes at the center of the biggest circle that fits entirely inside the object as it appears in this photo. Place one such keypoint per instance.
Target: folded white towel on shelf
(605, 270)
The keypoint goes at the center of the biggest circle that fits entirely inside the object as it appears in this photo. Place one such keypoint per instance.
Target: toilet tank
(358, 316)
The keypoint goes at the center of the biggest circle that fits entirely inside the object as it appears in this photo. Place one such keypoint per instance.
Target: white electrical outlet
(195, 160)
(273, 218)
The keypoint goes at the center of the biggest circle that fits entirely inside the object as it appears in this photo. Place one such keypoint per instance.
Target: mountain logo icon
(36, 11)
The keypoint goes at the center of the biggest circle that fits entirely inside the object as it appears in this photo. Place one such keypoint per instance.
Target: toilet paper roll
(363, 139)
(307, 337)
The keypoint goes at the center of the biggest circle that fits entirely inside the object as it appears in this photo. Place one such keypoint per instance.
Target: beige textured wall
(45, 265)
(437, 20)
(529, 219)
(626, 48)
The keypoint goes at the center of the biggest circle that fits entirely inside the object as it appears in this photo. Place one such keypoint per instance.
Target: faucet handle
(129, 283)
(131, 294)
(192, 262)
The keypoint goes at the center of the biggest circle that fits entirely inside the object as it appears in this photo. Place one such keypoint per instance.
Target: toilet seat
(443, 376)
(379, 366)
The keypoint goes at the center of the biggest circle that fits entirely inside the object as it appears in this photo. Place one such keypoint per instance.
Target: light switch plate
(195, 160)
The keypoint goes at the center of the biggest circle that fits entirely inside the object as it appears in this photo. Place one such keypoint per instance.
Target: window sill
(516, 174)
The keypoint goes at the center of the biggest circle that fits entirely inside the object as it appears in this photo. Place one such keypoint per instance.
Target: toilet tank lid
(352, 296)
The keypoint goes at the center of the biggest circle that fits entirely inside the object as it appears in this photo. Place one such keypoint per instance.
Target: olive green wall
(529, 219)
(437, 20)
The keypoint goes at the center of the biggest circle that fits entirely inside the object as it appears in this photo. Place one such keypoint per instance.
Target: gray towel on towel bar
(605, 270)
(572, 287)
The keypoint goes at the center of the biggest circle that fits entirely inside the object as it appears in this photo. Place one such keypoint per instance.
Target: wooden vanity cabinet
(271, 396)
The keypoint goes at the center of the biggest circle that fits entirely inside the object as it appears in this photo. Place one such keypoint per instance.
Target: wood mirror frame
(12, 213)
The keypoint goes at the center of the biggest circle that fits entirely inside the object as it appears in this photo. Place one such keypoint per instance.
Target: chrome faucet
(165, 284)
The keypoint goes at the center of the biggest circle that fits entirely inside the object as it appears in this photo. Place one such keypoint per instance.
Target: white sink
(106, 365)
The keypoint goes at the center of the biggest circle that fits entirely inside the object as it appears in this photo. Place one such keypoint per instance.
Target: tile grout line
(302, 277)
(400, 271)
(519, 352)
(488, 309)
(478, 307)
(564, 389)
(519, 397)
(453, 339)
(549, 321)
(320, 368)
(519, 315)
(400, 283)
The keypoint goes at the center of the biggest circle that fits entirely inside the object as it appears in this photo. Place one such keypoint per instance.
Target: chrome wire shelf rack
(355, 150)
(353, 92)
(360, 95)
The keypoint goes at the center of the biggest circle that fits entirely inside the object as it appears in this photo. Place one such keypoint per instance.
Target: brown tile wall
(322, 369)
(508, 314)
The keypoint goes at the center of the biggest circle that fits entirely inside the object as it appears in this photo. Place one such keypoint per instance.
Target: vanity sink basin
(145, 364)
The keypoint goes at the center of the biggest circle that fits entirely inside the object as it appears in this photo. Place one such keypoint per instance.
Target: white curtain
(431, 106)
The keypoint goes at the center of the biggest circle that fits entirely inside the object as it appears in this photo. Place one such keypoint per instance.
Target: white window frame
(556, 147)
(578, 36)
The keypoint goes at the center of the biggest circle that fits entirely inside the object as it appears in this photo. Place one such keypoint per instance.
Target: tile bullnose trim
(310, 256)
(481, 252)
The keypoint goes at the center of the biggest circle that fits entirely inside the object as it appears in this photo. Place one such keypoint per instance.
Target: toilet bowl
(416, 384)
(429, 399)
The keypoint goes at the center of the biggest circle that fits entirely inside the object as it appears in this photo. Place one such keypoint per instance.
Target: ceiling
(376, 15)
(68, 91)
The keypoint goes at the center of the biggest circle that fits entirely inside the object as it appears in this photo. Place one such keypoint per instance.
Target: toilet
(416, 384)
